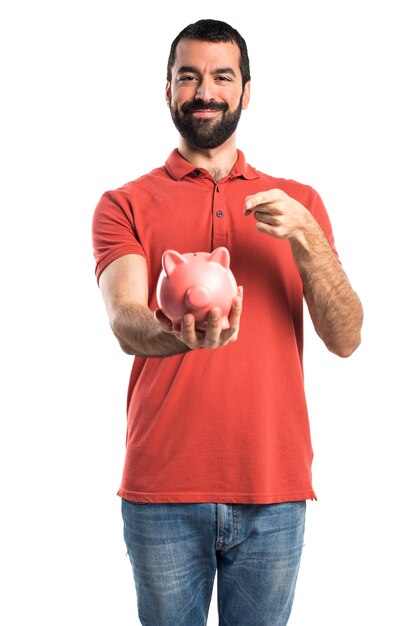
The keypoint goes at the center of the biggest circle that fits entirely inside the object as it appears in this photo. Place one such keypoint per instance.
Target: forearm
(335, 309)
(140, 334)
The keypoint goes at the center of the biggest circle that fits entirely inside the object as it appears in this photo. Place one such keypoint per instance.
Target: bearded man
(218, 455)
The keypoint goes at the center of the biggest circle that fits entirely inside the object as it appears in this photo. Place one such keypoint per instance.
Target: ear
(246, 96)
(168, 93)
(221, 256)
(170, 260)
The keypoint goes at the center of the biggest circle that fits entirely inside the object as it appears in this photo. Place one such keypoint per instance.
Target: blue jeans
(175, 550)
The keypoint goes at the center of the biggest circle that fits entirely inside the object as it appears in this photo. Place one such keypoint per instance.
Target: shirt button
(219, 213)
(197, 172)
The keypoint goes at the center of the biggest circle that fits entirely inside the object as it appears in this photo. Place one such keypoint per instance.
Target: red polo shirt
(227, 425)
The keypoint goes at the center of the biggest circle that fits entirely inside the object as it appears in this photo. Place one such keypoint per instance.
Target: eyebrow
(192, 68)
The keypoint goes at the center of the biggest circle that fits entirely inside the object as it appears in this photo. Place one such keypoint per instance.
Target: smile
(208, 113)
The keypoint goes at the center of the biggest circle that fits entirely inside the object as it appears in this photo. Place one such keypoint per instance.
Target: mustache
(199, 105)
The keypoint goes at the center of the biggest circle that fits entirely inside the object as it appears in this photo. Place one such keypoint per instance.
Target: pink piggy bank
(196, 282)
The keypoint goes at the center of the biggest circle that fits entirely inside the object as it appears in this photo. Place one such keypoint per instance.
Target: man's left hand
(277, 214)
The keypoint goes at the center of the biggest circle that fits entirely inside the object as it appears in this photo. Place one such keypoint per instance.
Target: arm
(334, 307)
(140, 332)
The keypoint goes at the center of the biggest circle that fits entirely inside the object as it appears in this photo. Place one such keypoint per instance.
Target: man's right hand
(213, 336)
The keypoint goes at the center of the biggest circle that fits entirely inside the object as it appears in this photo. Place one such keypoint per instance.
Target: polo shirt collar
(178, 167)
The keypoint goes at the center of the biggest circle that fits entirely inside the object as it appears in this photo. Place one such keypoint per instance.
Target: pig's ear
(170, 260)
(221, 256)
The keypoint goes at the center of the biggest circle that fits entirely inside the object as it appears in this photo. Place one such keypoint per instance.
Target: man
(218, 459)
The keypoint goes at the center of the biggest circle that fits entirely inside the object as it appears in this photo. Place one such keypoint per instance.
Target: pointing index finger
(249, 203)
(262, 197)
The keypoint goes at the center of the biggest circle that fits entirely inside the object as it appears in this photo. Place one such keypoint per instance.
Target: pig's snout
(198, 297)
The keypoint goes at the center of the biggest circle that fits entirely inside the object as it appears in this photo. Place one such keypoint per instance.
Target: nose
(198, 296)
(204, 91)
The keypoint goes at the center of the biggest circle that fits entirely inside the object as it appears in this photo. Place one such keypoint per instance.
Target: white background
(333, 105)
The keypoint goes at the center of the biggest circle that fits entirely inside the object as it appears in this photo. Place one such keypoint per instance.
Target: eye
(185, 79)
(222, 79)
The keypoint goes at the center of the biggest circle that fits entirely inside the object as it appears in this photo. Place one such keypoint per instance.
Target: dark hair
(215, 32)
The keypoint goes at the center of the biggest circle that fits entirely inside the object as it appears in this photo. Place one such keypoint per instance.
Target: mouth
(204, 110)
(205, 113)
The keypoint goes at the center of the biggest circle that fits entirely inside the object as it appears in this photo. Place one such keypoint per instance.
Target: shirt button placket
(220, 235)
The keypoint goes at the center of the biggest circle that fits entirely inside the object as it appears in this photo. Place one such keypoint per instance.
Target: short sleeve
(113, 230)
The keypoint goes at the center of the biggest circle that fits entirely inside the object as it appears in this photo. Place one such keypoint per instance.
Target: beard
(203, 132)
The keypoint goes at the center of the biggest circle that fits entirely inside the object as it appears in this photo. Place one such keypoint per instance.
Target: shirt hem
(226, 498)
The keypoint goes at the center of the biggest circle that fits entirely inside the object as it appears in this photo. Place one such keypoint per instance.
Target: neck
(217, 161)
